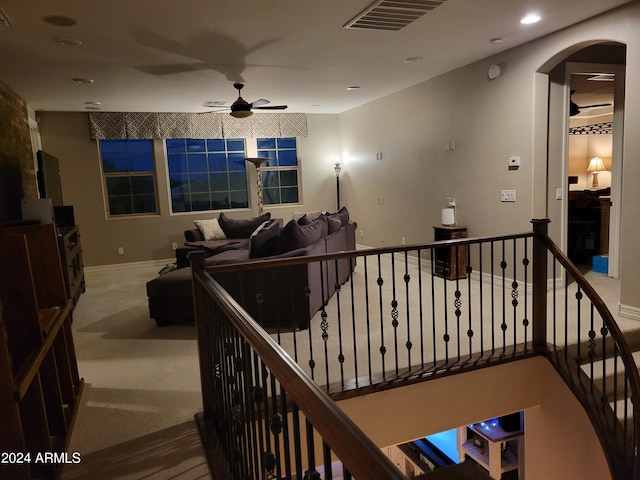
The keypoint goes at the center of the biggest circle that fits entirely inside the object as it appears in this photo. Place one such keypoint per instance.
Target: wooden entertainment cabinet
(40, 387)
(450, 262)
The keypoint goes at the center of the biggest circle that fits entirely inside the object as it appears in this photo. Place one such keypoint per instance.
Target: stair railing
(593, 357)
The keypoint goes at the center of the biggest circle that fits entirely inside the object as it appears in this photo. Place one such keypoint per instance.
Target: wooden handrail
(362, 458)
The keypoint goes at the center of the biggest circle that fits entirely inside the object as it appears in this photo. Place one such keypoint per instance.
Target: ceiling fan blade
(273, 107)
(596, 105)
(260, 101)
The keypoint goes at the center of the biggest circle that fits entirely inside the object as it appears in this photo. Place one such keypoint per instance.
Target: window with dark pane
(129, 174)
(281, 173)
(207, 174)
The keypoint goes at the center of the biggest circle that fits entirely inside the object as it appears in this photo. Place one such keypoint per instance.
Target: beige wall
(559, 439)
(66, 136)
(489, 121)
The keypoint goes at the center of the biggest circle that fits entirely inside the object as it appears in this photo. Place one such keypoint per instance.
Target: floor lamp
(258, 161)
(337, 167)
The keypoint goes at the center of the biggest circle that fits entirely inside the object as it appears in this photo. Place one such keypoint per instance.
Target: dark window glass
(206, 174)
(280, 173)
(129, 171)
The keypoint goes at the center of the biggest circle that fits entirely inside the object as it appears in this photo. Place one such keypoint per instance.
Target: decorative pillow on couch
(263, 240)
(210, 229)
(322, 218)
(342, 215)
(241, 228)
(294, 235)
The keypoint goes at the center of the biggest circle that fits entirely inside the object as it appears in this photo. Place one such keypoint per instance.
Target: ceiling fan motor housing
(241, 108)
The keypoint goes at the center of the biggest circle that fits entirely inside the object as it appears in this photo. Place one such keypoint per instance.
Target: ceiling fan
(574, 108)
(241, 108)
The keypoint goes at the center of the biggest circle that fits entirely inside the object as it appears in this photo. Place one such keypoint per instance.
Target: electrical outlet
(120, 250)
(451, 201)
(403, 241)
(508, 196)
(174, 245)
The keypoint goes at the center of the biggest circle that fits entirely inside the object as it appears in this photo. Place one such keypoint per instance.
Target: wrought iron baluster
(481, 294)
(341, 358)
(457, 303)
(394, 309)
(353, 321)
(420, 309)
(515, 293)
(470, 332)
(503, 326)
(493, 299)
(407, 279)
(383, 349)
(433, 308)
(525, 319)
(367, 315)
(324, 326)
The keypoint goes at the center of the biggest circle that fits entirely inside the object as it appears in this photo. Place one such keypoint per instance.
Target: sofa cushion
(295, 236)
(210, 229)
(264, 239)
(241, 228)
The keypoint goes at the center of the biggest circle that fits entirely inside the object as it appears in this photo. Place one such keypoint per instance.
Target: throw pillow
(322, 219)
(294, 236)
(210, 229)
(241, 228)
(310, 215)
(334, 224)
(263, 240)
(342, 214)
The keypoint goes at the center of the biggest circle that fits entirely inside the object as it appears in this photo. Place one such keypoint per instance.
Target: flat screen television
(48, 177)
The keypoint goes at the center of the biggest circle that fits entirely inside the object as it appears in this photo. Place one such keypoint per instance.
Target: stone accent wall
(17, 173)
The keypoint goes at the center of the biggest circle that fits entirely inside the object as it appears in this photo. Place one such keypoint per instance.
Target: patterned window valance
(605, 128)
(136, 125)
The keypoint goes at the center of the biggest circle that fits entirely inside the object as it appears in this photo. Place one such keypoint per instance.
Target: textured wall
(17, 174)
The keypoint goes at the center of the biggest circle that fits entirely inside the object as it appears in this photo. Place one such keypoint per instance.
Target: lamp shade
(257, 161)
(596, 165)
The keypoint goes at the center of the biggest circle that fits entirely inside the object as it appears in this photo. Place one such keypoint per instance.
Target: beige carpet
(142, 382)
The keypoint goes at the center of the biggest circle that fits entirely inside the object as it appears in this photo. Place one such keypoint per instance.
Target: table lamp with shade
(595, 166)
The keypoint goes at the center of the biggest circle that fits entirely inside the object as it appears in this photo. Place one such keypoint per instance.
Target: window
(280, 174)
(207, 174)
(129, 175)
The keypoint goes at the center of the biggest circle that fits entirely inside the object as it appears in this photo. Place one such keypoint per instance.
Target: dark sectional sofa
(289, 295)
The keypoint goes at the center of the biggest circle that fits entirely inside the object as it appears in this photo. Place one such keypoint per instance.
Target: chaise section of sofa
(273, 295)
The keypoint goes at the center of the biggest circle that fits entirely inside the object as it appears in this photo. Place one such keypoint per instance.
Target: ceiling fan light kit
(242, 109)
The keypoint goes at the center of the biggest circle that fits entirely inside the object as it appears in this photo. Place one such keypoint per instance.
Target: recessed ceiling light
(93, 104)
(413, 60)
(353, 87)
(60, 20)
(84, 81)
(530, 18)
(72, 42)
(496, 41)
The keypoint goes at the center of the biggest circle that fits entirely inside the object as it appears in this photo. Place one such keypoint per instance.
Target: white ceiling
(174, 55)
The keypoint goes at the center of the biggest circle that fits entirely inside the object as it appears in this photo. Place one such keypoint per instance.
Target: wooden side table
(450, 262)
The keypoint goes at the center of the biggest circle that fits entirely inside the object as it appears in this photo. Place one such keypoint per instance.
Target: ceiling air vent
(392, 14)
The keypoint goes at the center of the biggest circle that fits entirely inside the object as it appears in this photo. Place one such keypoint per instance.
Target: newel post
(540, 230)
(202, 327)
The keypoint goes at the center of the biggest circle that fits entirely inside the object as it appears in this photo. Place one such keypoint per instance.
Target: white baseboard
(116, 267)
(628, 311)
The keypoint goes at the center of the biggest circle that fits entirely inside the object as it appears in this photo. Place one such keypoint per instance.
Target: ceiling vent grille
(392, 14)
